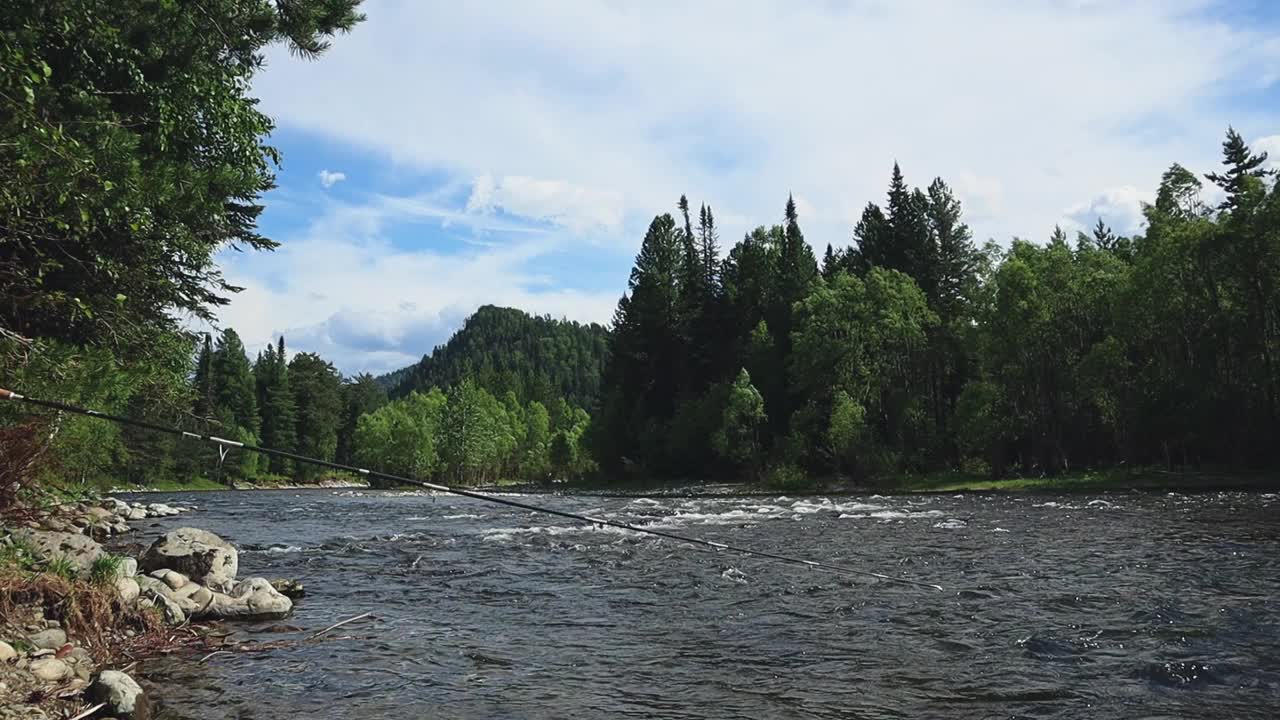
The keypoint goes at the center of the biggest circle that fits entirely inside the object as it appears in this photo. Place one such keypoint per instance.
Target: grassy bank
(1092, 481)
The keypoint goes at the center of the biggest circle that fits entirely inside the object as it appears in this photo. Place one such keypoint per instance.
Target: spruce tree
(316, 388)
(203, 381)
(277, 405)
(235, 397)
(1242, 165)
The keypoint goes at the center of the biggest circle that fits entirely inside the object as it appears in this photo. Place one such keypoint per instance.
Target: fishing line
(224, 445)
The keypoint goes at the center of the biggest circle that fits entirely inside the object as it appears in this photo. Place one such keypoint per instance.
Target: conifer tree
(235, 397)
(316, 388)
(276, 403)
(203, 381)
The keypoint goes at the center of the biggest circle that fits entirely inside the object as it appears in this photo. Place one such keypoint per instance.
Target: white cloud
(609, 98)
(1271, 146)
(342, 289)
(561, 203)
(1119, 207)
(981, 197)
(329, 179)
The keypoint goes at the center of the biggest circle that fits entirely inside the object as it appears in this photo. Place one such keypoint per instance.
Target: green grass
(105, 569)
(195, 483)
(62, 566)
(17, 554)
(1141, 479)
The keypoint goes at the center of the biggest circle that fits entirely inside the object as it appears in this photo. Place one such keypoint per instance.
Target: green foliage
(17, 553)
(737, 439)
(133, 152)
(317, 399)
(276, 404)
(105, 569)
(363, 394)
(787, 477)
(61, 566)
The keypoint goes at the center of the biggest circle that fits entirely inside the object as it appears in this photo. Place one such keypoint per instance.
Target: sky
(443, 156)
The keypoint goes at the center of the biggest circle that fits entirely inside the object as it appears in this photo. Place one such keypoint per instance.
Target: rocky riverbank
(79, 604)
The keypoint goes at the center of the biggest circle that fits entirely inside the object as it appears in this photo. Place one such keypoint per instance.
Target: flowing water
(1123, 605)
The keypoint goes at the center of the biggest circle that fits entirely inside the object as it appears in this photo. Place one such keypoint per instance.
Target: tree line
(303, 405)
(913, 350)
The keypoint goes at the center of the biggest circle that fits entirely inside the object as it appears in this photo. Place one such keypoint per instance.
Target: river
(1118, 605)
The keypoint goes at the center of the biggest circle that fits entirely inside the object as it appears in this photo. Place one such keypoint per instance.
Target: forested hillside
(913, 350)
(507, 350)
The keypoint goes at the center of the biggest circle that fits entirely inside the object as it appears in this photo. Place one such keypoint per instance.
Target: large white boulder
(251, 599)
(199, 554)
(80, 549)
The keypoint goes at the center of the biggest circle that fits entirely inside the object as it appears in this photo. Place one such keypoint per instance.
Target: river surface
(1119, 605)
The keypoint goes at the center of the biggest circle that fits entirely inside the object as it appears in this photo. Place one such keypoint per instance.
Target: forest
(912, 350)
(135, 153)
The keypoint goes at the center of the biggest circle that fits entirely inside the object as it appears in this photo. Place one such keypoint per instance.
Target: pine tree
(203, 381)
(797, 269)
(1242, 166)
(1102, 236)
(317, 398)
(235, 397)
(956, 257)
(708, 247)
(360, 396)
(276, 404)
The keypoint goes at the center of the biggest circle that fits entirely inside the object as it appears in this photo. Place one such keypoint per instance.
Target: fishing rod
(223, 444)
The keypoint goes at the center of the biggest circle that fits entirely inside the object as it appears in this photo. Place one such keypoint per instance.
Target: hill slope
(504, 349)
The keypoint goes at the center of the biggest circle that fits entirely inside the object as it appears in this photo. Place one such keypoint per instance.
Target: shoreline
(84, 603)
(1076, 483)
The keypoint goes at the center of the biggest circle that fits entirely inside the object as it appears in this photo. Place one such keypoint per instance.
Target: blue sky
(447, 155)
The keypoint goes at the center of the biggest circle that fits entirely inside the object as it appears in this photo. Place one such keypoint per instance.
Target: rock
(128, 589)
(81, 550)
(200, 555)
(291, 589)
(253, 598)
(116, 505)
(157, 594)
(50, 639)
(123, 696)
(161, 510)
(80, 662)
(7, 652)
(101, 514)
(128, 567)
(49, 669)
(174, 580)
(201, 596)
(136, 514)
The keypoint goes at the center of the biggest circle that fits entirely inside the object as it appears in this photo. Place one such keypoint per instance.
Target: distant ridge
(505, 349)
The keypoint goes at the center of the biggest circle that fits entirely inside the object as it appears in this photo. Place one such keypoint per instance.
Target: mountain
(504, 349)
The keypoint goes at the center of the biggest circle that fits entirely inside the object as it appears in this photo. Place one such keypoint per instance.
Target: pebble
(50, 639)
(49, 669)
(7, 652)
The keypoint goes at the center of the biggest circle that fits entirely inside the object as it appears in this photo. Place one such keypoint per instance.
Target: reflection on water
(1120, 606)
